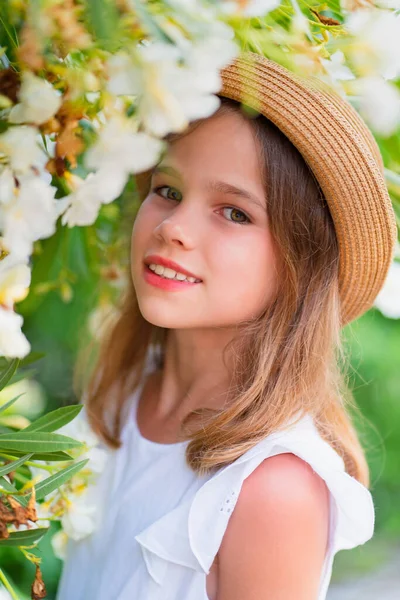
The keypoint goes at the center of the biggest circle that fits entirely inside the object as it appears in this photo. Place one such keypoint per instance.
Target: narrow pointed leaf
(9, 487)
(31, 358)
(55, 481)
(49, 456)
(8, 372)
(23, 374)
(10, 402)
(24, 538)
(12, 466)
(55, 419)
(33, 441)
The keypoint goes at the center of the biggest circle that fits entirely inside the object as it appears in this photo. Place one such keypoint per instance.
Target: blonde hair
(288, 360)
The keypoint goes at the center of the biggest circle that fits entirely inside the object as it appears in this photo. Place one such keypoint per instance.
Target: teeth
(171, 274)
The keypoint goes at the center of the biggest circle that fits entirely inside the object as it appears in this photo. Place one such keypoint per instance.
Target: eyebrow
(215, 186)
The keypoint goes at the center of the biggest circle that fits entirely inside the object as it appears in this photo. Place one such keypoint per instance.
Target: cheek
(143, 225)
(246, 270)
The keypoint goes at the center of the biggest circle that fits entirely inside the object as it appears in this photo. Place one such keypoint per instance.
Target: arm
(274, 545)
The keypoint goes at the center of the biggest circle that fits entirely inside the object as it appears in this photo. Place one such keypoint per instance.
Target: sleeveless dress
(160, 525)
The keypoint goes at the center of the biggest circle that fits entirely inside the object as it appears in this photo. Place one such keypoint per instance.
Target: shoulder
(283, 508)
(285, 477)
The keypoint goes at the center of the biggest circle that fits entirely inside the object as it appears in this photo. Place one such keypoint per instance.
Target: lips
(165, 262)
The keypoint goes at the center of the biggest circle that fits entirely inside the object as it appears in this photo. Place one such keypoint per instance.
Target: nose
(179, 228)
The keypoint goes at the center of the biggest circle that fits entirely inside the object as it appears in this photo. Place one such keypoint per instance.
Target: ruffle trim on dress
(191, 534)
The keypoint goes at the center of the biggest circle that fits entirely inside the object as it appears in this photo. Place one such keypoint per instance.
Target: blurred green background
(74, 271)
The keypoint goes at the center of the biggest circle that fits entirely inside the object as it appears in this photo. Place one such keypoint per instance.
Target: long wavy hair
(290, 359)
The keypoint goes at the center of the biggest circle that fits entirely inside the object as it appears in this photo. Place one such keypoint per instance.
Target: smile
(171, 274)
(167, 279)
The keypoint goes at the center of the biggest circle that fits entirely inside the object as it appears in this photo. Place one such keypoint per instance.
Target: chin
(162, 316)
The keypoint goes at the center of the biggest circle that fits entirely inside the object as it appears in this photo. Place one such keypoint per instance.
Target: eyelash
(158, 188)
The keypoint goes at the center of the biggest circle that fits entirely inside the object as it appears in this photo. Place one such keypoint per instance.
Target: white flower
(79, 429)
(377, 49)
(170, 94)
(336, 67)
(4, 594)
(249, 8)
(29, 216)
(20, 145)
(43, 515)
(13, 343)
(388, 3)
(124, 78)
(39, 101)
(118, 148)
(388, 299)
(7, 185)
(97, 459)
(79, 519)
(15, 278)
(378, 103)
(258, 8)
(83, 204)
(59, 543)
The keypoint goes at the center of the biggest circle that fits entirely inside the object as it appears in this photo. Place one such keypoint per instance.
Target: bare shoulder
(275, 542)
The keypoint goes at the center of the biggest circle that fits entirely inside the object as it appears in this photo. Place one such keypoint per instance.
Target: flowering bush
(88, 89)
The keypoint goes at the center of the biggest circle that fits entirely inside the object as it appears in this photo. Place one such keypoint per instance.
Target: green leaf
(23, 374)
(14, 465)
(149, 23)
(10, 403)
(4, 429)
(33, 441)
(31, 358)
(8, 35)
(55, 419)
(102, 17)
(9, 487)
(24, 538)
(8, 372)
(55, 481)
(49, 456)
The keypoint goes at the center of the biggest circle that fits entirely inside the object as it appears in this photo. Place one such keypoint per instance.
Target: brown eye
(175, 192)
(237, 214)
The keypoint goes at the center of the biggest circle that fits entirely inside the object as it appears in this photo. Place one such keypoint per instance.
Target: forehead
(222, 145)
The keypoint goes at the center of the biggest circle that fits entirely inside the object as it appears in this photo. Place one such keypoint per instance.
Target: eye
(157, 190)
(236, 211)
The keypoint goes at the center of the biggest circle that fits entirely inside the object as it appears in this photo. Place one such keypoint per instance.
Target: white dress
(161, 525)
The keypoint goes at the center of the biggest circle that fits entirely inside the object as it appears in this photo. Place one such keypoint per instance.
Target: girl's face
(206, 211)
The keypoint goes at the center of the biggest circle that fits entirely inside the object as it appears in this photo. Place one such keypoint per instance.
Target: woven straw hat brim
(345, 159)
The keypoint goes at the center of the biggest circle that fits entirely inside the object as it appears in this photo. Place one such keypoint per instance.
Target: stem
(19, 478)
(7, 585)
(48, 468)
(8, 456)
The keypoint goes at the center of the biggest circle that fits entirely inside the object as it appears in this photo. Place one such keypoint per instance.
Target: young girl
(237, 473)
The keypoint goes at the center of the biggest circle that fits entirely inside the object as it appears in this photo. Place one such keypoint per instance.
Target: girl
(237, 473)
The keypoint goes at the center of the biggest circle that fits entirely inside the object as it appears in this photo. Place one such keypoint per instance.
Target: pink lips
(166, 262)
(164, 283)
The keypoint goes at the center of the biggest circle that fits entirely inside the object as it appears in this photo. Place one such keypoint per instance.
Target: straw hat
(345, 159)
